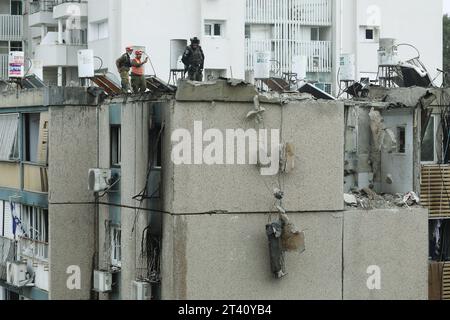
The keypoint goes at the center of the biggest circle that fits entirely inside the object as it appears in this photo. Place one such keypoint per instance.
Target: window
(99, 31)
(4, 47)
(31, 124)
(116, 147)
(214, 29)
(16, 8)
(369, 34)
(9, 137)
(247, 31)
(428, 151)
(116, 244)
(401, 139)
(16, 46)
(315, 34)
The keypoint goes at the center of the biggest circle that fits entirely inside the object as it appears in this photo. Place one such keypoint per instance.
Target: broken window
(116, 244)
(116, 146)
(9, 136)
(428, 153)
(401, 139)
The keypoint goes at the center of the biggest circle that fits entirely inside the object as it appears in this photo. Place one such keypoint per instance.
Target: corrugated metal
(435, 189)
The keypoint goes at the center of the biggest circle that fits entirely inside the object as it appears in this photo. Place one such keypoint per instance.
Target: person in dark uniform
(123, 65)
(194, 60)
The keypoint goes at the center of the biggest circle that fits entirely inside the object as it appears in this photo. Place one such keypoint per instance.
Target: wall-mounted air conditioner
(99, 179)
(16, 274)
(102, 281)
(142, 290)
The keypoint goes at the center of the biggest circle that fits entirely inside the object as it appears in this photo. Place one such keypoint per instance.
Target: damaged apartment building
(92, 205)
(396, 156)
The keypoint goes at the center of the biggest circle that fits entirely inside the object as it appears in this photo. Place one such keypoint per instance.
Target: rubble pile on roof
(368, 199)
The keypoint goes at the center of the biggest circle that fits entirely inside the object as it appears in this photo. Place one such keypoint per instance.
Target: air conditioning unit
(99, 179)
(142, 290)
(102, 281)
(16, 274)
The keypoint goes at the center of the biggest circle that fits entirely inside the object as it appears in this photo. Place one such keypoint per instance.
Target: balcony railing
(32, 249)
(11, 27)
(7, 253)
(306, 12)
(41, 6)
(318, 53)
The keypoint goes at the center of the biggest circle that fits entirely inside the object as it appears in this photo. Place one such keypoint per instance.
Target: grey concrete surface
(315, 128)
(394, 240)
(73, 133)
(227, 257)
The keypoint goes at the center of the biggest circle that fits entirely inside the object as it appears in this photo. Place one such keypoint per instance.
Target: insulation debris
(291, 238)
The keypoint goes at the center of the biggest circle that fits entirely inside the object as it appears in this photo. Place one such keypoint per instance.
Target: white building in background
(115, 24)
(58, 29)
(313, 33)
(323, 30)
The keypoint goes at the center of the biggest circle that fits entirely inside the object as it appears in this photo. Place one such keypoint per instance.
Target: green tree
(447, 46)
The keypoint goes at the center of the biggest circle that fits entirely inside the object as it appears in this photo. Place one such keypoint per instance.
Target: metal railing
(318, 53)
(306, 12)
(41, 6)
(3, 66)
(32, 249)
(7, 253)
(11, 27)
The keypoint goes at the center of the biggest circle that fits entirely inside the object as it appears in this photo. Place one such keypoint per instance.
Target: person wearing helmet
(123, 66)
(138, 73)
(194, 60)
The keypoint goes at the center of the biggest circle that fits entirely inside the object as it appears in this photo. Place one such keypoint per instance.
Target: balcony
(11, 27)
(53, 54)
(65, 9)
(7, 253)
(41, 13)
(29, 249)
(318, 53)
(300, 12)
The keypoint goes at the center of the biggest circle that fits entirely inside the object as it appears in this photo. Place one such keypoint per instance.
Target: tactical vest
(196, 57)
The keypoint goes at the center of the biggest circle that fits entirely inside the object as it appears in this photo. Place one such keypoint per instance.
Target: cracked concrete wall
(315, 128)
(72, 152)
(394, 240)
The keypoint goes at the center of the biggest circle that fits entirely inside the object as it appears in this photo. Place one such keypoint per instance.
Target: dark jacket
(124, 62)
(193, 58)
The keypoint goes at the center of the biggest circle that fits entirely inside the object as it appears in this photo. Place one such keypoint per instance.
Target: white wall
(415, 22)
(153, 23)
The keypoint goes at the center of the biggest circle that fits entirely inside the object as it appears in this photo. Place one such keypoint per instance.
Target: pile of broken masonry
(368, 199)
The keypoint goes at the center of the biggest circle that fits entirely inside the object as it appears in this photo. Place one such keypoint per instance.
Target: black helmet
(195, 40)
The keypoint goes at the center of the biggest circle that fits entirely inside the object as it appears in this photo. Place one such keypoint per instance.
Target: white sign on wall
(85, 63)
(16, 64)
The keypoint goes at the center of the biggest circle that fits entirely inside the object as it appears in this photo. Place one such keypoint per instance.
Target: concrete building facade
(192, 231)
